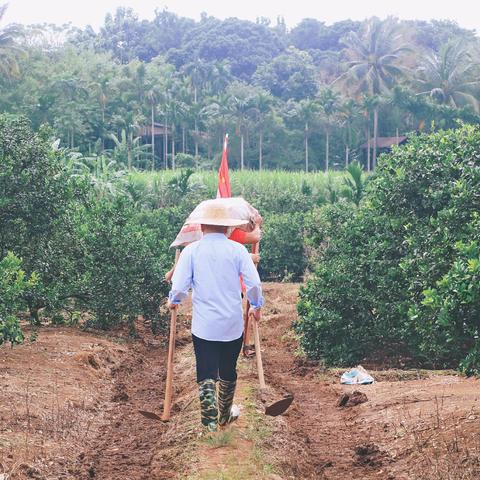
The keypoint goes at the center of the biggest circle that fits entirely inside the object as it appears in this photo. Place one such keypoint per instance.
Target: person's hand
(254, 236)
(255, 257)
(256, 314)
(172, 306)
(169, 275)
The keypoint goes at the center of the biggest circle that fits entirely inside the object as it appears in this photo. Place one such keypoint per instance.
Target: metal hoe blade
(150, 415)
(279, 407)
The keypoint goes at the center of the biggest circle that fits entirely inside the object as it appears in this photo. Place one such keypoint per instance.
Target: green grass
(246, 179)
(219, 439)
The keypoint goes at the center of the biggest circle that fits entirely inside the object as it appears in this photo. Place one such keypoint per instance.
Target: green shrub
(398, 276)
(126, 257)
(13, 283)
(282, 254)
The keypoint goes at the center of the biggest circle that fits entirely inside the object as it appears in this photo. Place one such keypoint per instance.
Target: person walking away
(211, 267)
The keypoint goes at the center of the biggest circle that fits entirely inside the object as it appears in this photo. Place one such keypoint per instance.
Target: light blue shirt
(212, 267)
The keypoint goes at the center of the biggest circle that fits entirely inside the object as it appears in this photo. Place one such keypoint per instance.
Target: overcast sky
(92, 12)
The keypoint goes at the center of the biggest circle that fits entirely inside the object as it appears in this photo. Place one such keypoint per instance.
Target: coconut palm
(153, 97)
(307, 112)
(262, 106)
(9, 49)
(449, 76)
(348, 114)
(329, 101)
(369, 104)
(241, 105)
(373, 62)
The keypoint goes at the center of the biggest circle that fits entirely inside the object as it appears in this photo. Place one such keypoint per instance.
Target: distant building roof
(386, 142)
(159, 129)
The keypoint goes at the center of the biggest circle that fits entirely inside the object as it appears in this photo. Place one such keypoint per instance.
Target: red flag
(224, 190)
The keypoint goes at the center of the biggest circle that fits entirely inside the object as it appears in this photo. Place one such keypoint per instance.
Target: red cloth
(224, 189)
(239, 236)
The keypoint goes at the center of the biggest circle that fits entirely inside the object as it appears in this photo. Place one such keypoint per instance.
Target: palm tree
(329, 101)
(100, 88)
(241, 105)
(262, 106)
(152, 95)
(176, 111)
(448, 76)
(306, 110)
(369, 103)
(373, 62)
(9, 49)
(349, 113)
(198, 73)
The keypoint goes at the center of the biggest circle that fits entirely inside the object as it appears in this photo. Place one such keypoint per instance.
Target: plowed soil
(70, 402)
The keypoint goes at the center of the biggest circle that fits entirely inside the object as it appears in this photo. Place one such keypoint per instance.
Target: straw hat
(225, 212)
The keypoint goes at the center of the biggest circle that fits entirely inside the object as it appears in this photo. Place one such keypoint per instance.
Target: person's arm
(246, 238)
(251, 280)
(181, 280)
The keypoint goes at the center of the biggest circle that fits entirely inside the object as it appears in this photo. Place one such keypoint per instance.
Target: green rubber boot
(208, 404)
(227, 412)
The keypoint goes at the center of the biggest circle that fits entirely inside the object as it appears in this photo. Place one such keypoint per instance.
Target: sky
(92, 12)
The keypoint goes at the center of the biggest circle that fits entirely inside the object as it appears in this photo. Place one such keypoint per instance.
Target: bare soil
(70, 402)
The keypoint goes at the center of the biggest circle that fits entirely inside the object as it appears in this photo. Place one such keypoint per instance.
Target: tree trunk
(260, 152)
(183, 139)
(165, 144)
(196, 138)
(327, 150)
(375, 135)
(241, 152)
(368, 148)
(129, 151)
(153, 137)
(306, 147)
(347, 153)
(103, 128)
(173, 148)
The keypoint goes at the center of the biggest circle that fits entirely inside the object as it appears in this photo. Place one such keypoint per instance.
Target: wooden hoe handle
(167, 405)
(256, 335)
(258, 354)
(246, 332)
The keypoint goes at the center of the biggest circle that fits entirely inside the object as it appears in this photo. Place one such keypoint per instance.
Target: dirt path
(69, 410)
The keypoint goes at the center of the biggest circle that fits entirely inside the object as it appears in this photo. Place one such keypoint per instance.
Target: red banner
(224, 190)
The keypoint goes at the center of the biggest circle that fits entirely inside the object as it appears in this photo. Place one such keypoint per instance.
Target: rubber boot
(226, 391)
(208, 404)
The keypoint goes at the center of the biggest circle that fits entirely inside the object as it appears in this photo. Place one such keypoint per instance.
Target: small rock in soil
(352, 399)
(93, 362)
(368, 454)
(120, 394)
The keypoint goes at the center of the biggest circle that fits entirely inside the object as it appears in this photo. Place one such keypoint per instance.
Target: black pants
(216, 359)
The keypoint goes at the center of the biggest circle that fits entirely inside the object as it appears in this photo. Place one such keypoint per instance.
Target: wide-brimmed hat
(225, 212)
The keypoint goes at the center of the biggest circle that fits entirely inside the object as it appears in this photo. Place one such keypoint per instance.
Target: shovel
(280, 406)
(167, 404)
